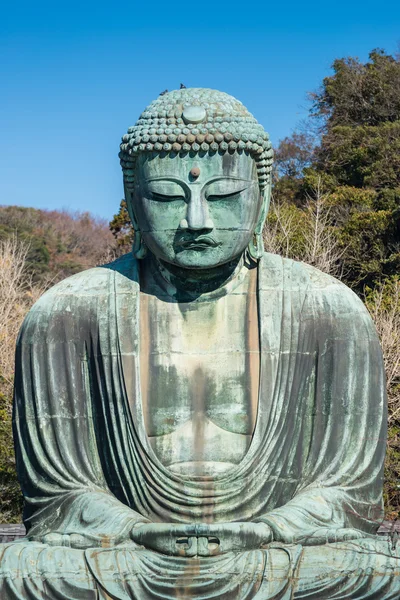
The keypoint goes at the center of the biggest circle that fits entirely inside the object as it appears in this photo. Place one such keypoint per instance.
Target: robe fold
(315, 463)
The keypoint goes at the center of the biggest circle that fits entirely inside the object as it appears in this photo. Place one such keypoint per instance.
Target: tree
(293, 155)
(359, 93)
(121, 228)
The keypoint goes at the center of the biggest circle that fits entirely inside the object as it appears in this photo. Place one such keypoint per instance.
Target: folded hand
(201, 539)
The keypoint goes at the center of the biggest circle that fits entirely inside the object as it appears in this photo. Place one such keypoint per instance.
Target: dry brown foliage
(61, 243)
(17, 294)
(384, 307)
(83, 235)
(305, 234)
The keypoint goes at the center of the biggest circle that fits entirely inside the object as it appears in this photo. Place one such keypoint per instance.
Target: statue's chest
(200, 378)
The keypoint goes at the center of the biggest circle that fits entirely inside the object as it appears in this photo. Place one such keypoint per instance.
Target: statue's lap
(366, 568)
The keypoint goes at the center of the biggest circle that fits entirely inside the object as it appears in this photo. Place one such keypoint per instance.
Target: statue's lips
(199, 243)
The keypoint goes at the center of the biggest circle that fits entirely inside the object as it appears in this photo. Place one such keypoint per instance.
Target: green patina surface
(199, 419)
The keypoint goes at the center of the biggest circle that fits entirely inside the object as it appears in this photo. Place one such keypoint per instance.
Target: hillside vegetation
(58, 243)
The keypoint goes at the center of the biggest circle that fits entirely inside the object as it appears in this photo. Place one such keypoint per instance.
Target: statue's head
(197, 177)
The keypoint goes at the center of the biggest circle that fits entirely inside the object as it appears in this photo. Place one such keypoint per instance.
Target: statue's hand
(233, 537)
(167, 538)
(86, 539)
(327, 535)
(202, 539)
(72, 540)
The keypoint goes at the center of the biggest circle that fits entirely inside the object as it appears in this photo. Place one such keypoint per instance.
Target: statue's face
(197, 212)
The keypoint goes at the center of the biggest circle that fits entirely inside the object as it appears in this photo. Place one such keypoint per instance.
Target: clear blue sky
(75, 75)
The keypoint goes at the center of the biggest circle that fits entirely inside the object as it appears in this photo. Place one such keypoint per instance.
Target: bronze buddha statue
(200, 419)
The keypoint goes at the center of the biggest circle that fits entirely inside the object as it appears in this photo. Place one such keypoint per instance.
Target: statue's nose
(197, 216)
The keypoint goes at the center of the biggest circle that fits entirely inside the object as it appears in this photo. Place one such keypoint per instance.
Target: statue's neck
(199, 281)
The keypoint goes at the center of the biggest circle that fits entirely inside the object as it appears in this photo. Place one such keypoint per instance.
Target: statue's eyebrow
(228, 177)
(164, 178)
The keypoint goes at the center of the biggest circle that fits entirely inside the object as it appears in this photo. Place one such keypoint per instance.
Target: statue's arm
(315, 517)
(339, 495)
(66, 496)
(84, 519)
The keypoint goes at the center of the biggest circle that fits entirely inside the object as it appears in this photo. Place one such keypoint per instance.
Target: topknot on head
(197, 120)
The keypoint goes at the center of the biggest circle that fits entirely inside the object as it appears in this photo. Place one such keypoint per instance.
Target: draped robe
(314, 464)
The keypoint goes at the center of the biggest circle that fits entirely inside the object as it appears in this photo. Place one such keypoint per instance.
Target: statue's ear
(129, 199)
(139, 249)
(256, 246)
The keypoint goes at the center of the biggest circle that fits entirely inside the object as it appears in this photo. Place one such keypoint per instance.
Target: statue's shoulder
(82, 292)
(297, 272)
(322, 288)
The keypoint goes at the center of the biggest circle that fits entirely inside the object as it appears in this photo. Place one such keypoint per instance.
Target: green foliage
(10, 493)
(360, 93)
(346, 200)
(363, 156)
(121, 228)
(391, 494)
(366, 236)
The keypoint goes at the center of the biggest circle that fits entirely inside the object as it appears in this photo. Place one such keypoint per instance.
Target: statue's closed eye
(166, 197)
(214, 197)
(225, 189)
(165, 191)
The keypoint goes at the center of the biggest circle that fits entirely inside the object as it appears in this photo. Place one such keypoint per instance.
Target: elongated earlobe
(139, 249)
(256, 246)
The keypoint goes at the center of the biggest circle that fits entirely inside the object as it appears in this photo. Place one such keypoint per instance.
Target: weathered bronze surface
(200, 419)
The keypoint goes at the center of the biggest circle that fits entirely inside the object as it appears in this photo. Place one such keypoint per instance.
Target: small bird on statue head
(164, 92)
(183, 86)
